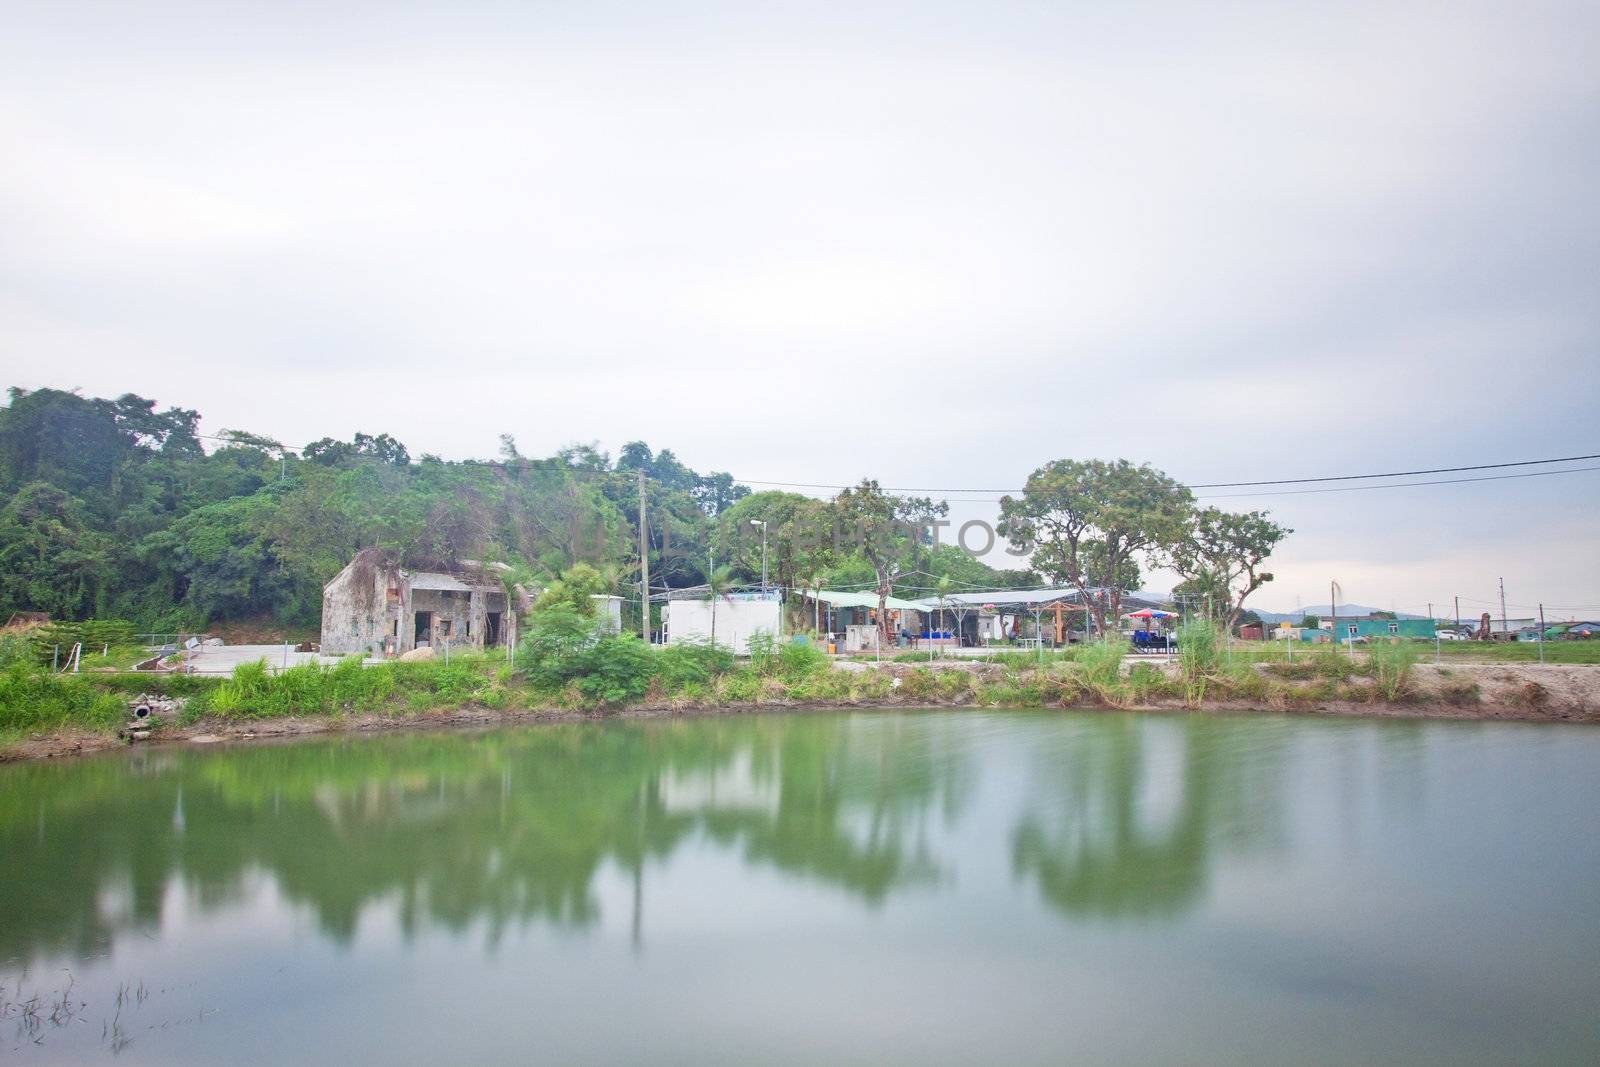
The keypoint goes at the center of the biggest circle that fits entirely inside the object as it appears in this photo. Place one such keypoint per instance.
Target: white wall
(690, 620)
(608, 612)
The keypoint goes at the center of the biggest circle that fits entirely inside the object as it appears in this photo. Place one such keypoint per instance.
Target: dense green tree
(51, 557)
(331, 453)
(798, 536)
(113, 507)
(1084, 521)
(889, 532)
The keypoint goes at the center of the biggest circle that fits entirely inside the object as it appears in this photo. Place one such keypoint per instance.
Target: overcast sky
(934, 243)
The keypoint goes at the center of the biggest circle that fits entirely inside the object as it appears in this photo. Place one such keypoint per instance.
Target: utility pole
(1541, 633)
(1458, 611)
(1504, 626)
(1333, 611)
(644, 568)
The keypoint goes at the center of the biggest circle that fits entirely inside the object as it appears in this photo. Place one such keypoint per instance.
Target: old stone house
(375, 606)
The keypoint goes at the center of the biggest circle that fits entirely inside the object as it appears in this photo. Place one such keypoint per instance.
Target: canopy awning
(844, 599)
(1015, 601)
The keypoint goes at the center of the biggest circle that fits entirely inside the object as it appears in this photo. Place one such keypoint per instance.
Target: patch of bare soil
(1550, 692)
(63, 742)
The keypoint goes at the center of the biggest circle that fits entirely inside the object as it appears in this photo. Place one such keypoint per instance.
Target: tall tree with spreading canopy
(887, 531)
(1220, 557)
(796, 533)
(1086, 521)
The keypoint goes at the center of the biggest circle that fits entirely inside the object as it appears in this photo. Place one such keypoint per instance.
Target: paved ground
(222, 659)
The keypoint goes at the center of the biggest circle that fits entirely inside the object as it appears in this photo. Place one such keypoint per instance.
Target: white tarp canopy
(842, 599)
(1029, 600)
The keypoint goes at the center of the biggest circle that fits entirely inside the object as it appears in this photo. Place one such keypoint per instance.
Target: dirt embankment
(1567, 693)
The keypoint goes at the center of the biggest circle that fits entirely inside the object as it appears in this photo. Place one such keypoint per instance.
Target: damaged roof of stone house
(437, 580)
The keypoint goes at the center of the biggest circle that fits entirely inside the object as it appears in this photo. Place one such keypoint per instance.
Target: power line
(1338, 489)
(1400, 474)
(1209, 485)
(1398, 485)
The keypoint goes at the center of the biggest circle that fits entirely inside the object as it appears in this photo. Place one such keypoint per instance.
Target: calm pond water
(888, 888)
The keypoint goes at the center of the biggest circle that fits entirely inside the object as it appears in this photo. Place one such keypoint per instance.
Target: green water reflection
(495, 826)
(918, 887)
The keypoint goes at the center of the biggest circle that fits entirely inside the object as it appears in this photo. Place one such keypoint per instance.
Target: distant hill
(1321, 611)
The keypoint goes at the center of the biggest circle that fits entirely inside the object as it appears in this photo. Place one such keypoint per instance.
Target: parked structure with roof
(1054, 615)
(968, 618)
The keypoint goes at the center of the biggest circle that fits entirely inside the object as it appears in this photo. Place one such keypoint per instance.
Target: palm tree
(719, 583)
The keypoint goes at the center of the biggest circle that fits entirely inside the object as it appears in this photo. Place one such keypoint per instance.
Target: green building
(1375, 629)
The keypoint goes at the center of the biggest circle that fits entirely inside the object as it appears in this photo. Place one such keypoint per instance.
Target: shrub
(310, 688)
(616, 669)
(1242, 680)
(15, 650)
(572, 591)
(740, 687)
(762, 648)
(692, 664)
(1197, 657)
(1331, 663)
(1145, 681)
(917, 684)
(551, 652)
(1390, 664)
(800, 659)
(242, 693)
(32, 699)
(824, 685)
(954, 684)
(1100, 666)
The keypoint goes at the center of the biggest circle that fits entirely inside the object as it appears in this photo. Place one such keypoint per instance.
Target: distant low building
(1367, 629)
(376, 607)
(1288, 631)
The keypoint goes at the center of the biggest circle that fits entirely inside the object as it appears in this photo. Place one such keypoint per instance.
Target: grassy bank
(619, 673)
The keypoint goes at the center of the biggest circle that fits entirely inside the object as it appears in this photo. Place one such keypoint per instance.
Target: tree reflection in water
(1126, 814)
(501, 828)
(1117, 815)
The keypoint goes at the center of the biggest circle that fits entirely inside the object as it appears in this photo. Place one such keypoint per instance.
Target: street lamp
(763, 524)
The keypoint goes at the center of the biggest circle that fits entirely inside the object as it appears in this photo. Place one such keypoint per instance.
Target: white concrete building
(738, 617)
